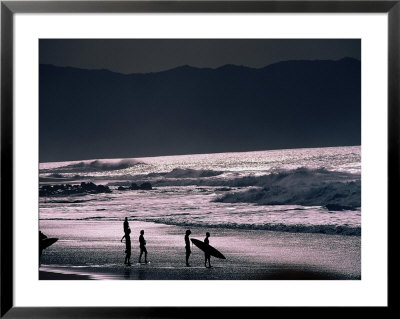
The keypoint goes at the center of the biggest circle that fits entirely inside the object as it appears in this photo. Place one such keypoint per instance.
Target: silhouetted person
(126, 225)
(187, 246)
(128, 246)
(206, 255)
(142, 245)
(45, 242)
(41, 237)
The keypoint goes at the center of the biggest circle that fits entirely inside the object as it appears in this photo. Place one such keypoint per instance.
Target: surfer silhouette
(207, 255)
(187, 246)
(126, 225)
(128, 246)
(41, 237)
(142, 245)
(44, 242)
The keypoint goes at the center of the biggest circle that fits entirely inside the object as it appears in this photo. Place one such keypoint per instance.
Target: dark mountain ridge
(102, 114)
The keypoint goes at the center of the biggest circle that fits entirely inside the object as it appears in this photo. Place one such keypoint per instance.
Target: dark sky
(153, 55)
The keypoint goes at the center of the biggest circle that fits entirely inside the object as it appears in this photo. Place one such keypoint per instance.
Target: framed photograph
(160, 155)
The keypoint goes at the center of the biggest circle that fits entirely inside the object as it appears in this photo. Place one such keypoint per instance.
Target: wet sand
(92, 250)
(54, 275)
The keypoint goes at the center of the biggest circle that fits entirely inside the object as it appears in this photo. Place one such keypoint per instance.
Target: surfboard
(46, 242)
(207, 248)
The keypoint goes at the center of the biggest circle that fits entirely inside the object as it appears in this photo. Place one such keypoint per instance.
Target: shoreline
(273, 273)
(92, 249)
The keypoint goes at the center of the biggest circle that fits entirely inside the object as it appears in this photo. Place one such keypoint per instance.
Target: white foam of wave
(281, 227)
(92, 166)
(301, 187)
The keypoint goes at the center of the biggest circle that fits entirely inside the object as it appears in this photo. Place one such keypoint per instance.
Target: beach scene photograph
(199, 159)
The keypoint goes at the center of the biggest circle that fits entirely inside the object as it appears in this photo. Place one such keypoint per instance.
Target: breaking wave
(334, 190)
(298, 228)
(96, 166)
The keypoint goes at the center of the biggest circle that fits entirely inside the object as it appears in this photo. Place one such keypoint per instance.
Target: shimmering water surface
(299, 190)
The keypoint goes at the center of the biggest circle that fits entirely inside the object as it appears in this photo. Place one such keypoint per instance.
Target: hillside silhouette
(101, 114)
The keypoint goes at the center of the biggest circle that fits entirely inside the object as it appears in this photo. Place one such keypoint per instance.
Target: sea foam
(95, 166)
(306, 187)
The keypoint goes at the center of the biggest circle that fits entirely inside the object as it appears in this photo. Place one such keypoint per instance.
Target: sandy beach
(92, 250)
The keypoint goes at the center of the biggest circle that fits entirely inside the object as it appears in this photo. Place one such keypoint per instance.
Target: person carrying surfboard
(187, 247)
(142, 245)
(45, 242)
(207, 256)
(207, 249)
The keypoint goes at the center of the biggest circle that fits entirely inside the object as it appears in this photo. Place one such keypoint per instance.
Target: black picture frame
(9, 8)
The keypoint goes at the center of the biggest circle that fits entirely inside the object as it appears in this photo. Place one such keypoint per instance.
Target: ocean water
(314, 190)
